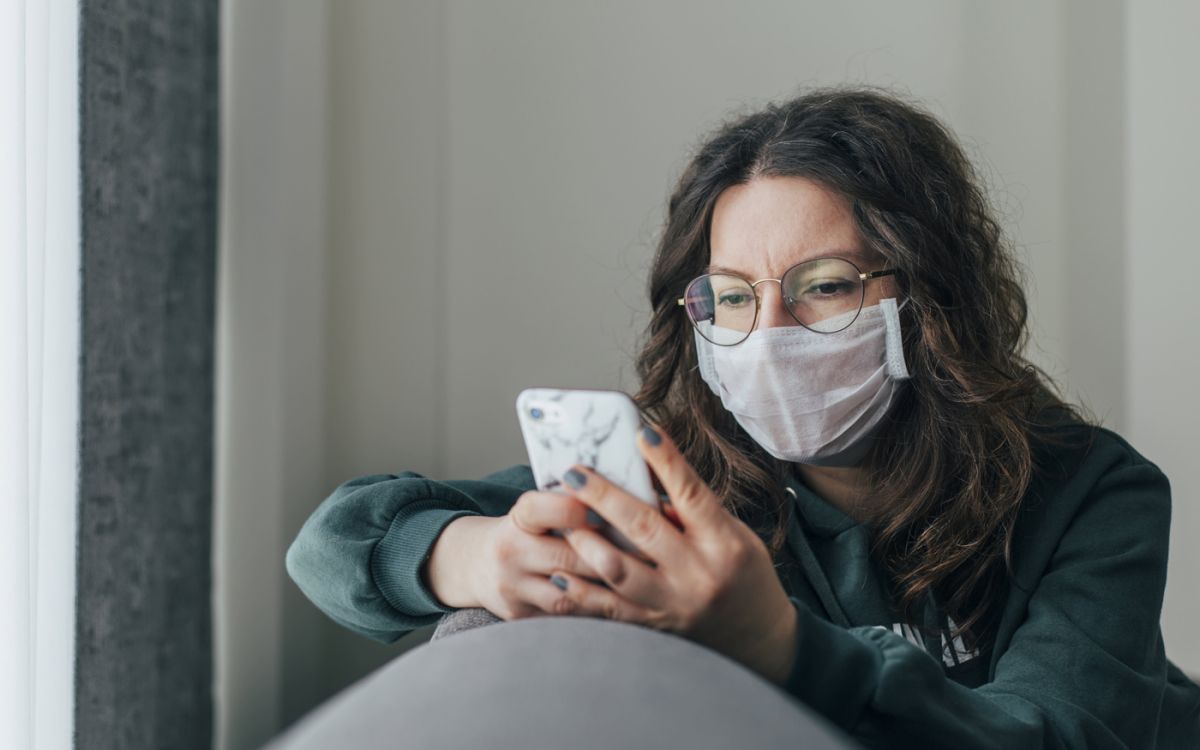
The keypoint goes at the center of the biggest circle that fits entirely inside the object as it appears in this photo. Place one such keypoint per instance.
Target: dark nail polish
(650, 436)
(574, 478)
(594, 518)
(559, 581)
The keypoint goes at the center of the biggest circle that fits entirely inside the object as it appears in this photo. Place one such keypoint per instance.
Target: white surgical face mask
(811, 397)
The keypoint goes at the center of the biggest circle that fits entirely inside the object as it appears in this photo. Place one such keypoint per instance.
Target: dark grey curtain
(149, 159)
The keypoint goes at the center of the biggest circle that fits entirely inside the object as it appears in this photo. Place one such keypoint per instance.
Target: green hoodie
(1077, 662)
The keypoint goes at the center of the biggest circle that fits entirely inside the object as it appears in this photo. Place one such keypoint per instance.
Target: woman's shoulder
(1065, 447)
(1093, 492)
(1087, 468)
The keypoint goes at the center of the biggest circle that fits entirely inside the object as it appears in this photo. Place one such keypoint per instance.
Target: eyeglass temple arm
(877, 274)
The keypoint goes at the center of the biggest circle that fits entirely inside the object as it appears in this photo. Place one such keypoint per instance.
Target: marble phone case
(595, 428)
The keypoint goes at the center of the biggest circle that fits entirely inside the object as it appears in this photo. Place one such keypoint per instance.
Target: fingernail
(594, 518)
(559, 581)
(574, 478)
(650, 436)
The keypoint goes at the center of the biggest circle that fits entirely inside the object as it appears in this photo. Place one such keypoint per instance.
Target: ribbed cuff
(835, 672)
(396, 562)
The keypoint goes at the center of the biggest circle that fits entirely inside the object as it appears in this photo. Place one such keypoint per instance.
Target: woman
(874, 500)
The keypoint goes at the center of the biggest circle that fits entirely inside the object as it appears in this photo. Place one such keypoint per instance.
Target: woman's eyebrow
(723, 269)
(856, 256)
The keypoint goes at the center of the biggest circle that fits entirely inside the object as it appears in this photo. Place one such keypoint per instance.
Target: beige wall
(1162, 271)
(426, 202)
(271, 350)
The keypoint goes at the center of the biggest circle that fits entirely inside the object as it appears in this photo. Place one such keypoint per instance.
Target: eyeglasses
(824, 295)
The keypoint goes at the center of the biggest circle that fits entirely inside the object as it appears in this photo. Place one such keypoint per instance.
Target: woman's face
(766, 226)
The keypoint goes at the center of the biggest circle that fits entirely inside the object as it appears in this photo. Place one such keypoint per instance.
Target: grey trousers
(463, 619)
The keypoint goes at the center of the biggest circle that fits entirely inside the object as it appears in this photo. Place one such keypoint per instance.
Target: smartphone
(594, 428)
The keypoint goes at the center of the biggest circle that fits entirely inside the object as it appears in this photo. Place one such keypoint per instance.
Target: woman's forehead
(769, 224)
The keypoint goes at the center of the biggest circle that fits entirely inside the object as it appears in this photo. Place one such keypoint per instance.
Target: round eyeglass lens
(825, 294)
(721, 307)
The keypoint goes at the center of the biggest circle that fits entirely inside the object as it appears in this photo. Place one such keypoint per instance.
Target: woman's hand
(711, 578)
(516, 556)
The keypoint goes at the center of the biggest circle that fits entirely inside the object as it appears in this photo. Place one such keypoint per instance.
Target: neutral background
(427, 206)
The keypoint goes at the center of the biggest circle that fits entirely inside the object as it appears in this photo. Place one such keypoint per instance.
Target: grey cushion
(463, 619)
(549, 682)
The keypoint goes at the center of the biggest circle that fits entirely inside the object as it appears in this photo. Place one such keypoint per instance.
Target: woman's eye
(828, 288)
(733, 299)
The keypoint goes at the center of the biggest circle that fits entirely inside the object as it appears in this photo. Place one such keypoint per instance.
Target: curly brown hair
(951, 465)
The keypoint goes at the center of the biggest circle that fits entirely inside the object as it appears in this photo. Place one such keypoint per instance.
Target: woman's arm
(1086, 669)
(361, 554)
(448, 572)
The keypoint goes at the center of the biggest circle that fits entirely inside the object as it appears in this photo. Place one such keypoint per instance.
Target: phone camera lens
(536, 413)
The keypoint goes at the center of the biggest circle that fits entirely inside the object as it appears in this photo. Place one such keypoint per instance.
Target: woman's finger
(525, 599)
(545, 554)
(694, 503)
(624, 574)
(586, 599)
(641, 523)
(539, 591)
(538, 512)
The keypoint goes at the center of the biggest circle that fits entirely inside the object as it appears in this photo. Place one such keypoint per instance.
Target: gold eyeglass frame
(863, 278)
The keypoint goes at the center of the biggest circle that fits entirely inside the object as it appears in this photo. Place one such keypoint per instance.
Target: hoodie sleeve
(358, 557)
(1085, 669)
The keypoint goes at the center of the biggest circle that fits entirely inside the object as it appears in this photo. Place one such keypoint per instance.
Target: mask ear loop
(896, 366)
(704, 361)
